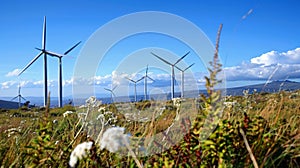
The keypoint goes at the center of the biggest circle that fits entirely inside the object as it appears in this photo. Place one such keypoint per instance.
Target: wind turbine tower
(182, 78)
(145, 82)
(135, 82)
(172, 69)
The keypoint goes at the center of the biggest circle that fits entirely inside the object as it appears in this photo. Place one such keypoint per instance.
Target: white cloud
(27, 84)
(15, 72)
(275, 57)
(272, 65)
(68, 82)
(24, 83)
(7, 84)
(38, 83)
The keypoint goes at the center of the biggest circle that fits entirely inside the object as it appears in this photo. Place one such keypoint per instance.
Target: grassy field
(254, 130)
(270, 123)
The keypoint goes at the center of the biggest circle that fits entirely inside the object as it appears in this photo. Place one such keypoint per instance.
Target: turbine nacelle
(53, 54)
(133, 81)
(183, 70)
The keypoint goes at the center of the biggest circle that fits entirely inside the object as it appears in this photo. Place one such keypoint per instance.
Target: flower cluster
(67, 113)
(101, 109)
(294, 96)
(12, 131)
(93, 102)
(176, 102)
(230, 104)
(79, 152)
(107, 117)
(114, 139)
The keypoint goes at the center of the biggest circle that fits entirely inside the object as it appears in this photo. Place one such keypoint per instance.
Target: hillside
(271, 87)
(8, 104)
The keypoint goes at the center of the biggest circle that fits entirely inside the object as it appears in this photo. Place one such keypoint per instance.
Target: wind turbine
(182, 78)
(135, 82)
(145, 83)
(172, 69)
(19, 96)
(59, 56)
(111, 93)
(45, 62)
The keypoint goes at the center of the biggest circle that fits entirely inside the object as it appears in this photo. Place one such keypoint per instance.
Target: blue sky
(260, 40)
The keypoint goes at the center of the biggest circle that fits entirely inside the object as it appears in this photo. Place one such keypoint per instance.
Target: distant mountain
(271, 87)
(9, 104)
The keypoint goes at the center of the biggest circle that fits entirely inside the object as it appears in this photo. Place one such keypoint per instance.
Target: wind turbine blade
(108, 89)
(14, 98)
(181, 58)
(147, 70)
(72, 48)
(36, 57)
(188, 67)
(114, 88)
(130, 80)
(178, 68)
(165, 61)
(140, 79)
(39, 49)
(44, 34)
(23, 98)
(150, 78)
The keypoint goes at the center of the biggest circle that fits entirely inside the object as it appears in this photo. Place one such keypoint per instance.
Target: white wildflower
(100, 117)
(56, 142)
(230, 104)
(12, 131)
(246, 92)
(79, 152)
(108, 112)
(23, 122)
(93, 102)
(90, 100)
(293, 96)
(101, 109)
(128, 115)
(113, 139)
(176, 102)
(67, 113)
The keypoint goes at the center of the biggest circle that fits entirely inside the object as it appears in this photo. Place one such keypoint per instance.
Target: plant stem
(248, 148)
(139, 165)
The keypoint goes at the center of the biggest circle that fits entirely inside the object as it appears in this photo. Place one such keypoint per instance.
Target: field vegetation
(254, 130)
